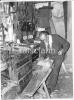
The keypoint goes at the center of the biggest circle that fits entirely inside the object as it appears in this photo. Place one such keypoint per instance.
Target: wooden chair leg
(32, 97)
(46, 90)
(64, 67)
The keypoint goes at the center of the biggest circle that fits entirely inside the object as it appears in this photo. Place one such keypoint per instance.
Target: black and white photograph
(36, 59)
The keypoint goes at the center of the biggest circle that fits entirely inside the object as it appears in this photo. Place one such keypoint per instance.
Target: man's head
(43, 35)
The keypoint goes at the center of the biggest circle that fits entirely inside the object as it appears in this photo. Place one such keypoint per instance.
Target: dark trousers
(53, 77)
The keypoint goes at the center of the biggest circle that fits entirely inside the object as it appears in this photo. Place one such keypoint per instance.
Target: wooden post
(65, 17)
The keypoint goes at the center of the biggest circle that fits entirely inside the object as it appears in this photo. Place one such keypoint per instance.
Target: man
(43, 44)
(59, 48)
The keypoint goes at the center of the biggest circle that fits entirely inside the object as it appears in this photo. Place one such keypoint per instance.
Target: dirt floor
(64, 88)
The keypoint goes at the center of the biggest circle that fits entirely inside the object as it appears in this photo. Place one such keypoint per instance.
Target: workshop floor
(64, 88)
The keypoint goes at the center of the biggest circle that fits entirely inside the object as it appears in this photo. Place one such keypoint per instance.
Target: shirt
(59, 43)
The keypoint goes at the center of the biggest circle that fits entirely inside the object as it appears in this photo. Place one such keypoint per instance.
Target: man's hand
(60, 52)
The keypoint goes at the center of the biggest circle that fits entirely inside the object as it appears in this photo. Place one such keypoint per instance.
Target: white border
(31, 0)
(73, 42)
(72, 35)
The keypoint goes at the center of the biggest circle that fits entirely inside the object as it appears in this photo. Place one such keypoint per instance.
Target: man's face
(42, 37)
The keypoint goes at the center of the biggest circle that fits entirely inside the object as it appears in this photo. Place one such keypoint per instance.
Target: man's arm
(65, 45)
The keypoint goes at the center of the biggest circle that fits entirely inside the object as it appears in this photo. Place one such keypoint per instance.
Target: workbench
(19, 64)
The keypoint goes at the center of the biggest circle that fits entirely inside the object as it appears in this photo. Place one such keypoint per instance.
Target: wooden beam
(65, 17)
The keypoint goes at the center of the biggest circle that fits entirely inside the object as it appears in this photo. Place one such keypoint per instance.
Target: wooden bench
(37, 81)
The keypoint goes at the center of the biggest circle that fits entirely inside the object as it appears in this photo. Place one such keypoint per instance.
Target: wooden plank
(35, 83)
(45, 88)
(25, 75)
(9, 86)
(23, 65)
